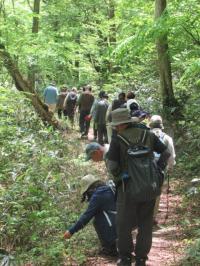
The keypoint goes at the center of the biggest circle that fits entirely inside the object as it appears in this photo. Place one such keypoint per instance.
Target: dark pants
(60, 113)
(109, 245)
(131, 214)
(69, 113)
(84, 125)
(102, 134)
(95, 130)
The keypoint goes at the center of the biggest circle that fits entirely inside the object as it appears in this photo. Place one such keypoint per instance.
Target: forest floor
(167, 248)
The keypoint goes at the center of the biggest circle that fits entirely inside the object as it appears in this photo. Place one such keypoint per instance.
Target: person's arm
(170, 145)
(91, 211)
(161, 148)
(65, 101)
(113, 159)
(45, 92)
(108, 113)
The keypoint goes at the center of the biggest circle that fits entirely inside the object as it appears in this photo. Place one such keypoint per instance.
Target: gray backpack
(144, 182)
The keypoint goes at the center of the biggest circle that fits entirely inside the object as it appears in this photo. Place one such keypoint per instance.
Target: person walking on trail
(156, 126)
(51, 96)
(60, 102)
(70, 105)
(93, 113)
(131, 104)
(102, 208)
(85, 102)
(132, 213)
(100, 119)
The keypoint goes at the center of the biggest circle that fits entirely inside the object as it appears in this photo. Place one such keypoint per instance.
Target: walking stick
(168, 190)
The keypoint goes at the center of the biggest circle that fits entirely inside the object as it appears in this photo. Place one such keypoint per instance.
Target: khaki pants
(109, 132)
(52, 107)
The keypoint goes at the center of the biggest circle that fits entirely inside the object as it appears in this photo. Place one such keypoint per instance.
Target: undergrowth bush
(39, 188)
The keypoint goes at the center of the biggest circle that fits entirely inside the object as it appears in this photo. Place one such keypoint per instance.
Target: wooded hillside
(149, 47)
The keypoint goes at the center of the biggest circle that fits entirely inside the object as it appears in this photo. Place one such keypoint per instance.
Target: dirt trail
(165, 247)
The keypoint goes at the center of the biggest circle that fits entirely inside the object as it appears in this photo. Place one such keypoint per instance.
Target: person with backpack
(138, 179)
(131, 104)
(102, 208)
(60, 102)
(93, 113)
(100, 119)
(85, 103)
(70, 105)
(156, 126)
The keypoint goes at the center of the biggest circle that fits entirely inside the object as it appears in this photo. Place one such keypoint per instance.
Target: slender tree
(164, 60)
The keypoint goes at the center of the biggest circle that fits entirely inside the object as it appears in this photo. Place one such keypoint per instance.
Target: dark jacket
(101, 109)
(102, 208)
(85, 101)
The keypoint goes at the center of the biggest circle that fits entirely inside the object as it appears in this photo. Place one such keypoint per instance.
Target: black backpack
(144, 182)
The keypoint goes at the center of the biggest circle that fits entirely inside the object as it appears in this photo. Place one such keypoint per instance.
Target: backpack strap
(142, 140)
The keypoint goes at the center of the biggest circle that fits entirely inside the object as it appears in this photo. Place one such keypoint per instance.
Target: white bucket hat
(87, 181)
(156, 122)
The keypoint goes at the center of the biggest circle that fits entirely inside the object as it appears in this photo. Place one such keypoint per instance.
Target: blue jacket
(102, 208)
(51, 95)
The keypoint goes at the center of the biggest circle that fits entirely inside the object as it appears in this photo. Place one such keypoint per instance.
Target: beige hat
(120, 116)
(87, 181)
(156, 122)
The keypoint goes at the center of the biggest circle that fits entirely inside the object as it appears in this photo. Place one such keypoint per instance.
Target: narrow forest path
(166, 247)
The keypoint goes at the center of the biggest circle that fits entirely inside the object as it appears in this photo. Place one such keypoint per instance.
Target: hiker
(51, 96)
(131, 104)
(156, 126)
(60, 102)
(85, 102)
(102, 208)
(117, 103)
(93, 113)
(70, 105)
(100, 118)
(96, 152)
(133, 212)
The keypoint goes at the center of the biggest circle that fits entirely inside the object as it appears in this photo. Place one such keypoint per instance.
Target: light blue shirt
(51, 95)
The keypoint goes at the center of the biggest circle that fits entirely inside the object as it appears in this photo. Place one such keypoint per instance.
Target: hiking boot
(108, 252)
(126, 261)
(140, 262)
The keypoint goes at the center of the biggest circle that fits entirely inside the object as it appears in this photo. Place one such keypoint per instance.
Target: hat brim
(131, 120)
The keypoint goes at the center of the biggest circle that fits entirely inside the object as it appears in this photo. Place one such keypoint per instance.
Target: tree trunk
(35, 29)
(25, 87)
(164, 61)
(36, 11)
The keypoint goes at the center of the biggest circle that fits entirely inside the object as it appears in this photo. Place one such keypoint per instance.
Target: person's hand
(67, 235)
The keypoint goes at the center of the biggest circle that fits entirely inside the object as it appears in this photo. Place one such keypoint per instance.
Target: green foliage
(39, 188)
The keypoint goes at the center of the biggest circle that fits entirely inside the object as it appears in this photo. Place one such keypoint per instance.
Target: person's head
(122, 96)
(74, 89)
(156, 122)
(52, 83)
(130, 95)
(64, 88)
(103, 95)
(89, 88)
(94, 151)
(120, 119)
(89, 184)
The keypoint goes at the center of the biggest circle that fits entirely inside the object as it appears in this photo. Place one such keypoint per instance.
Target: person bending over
(102, 208)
